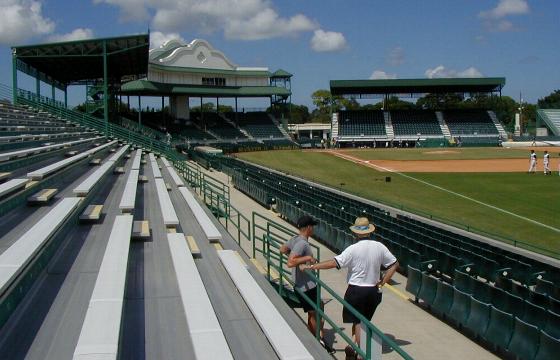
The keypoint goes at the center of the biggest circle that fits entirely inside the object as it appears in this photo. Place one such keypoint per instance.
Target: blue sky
(320, 40)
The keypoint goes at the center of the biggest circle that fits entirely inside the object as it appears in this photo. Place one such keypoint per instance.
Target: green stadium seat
(479, 317)
(500, 328)
(520, 290)
(549, 347)
(482, 291)
(514, 305)
(463, 282)
(553, 305)
(443, 300)
(534, 315)
(544, 286)
(428, 290)
(414, 282)
(552, 326)
(459, 311)
(525, 340)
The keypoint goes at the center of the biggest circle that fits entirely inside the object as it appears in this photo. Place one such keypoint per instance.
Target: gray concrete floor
(420, 334)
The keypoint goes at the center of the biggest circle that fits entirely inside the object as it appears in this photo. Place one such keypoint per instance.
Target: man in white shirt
(364, 260)
(546, 163)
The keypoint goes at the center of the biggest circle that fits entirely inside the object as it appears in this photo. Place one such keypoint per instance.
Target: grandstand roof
(280, 73)
(75, 61)
(416, 86)
(145, 87)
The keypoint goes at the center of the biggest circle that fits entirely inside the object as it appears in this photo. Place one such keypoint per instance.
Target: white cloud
(382, 75)
(238, 19)
(157, 38)
(267, 24)
(323, 41)
(76, 34)
(494, 19)
(21, 20)
(443, 72)
(395, 56)
(506, 8)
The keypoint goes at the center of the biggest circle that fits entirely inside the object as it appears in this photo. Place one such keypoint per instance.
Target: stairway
(499, 126)
(279, 126)
(334, 123)
(388, 125)
(444, 128)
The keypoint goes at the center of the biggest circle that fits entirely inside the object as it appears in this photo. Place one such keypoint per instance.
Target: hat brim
(355, 230)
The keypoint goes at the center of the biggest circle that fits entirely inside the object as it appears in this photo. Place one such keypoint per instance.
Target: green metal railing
(267, 237)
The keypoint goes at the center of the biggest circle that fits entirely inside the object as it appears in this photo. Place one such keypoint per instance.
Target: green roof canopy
(151, 88)
(417, 86)
(77, 61)
(280, 73)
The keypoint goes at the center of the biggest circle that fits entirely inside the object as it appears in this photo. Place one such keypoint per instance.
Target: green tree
(300, 114)
(440, 101)
(551, 101)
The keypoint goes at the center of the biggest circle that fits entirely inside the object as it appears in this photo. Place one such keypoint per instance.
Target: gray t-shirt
(299, 246)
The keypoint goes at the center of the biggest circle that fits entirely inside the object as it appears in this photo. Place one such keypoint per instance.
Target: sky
(320, 40)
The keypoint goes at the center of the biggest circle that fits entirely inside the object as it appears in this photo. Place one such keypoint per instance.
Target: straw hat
(362, 226)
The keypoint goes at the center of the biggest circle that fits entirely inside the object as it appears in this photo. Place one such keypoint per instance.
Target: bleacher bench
(42, 196)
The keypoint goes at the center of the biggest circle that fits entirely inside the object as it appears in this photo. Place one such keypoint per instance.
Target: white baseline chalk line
(365, 163)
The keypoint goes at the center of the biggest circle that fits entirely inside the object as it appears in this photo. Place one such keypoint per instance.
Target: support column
(139, 110)
(236, 116)
(162, 114)
(105, 89)
(53, 93)
(66, 96)
(38, 86)
(14, 77)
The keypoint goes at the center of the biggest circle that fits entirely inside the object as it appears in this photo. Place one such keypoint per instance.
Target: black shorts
(364, 299)
(311, 294)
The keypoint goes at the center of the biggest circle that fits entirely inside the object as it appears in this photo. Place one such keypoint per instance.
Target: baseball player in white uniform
(533, 162)
(546, 163)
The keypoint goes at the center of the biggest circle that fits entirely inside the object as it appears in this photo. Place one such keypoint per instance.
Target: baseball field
(485, 190)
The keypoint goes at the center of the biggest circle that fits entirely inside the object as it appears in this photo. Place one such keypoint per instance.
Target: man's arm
(284, 249)
(295, 260)
(388, 274)
(329, 264)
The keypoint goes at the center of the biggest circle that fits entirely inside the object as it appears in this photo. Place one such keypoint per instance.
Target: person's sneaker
(350, 353)
(327, 347)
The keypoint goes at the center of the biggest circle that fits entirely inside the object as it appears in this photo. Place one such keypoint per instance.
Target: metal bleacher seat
(85, 186)
(26, 152)
(11, 186)
(283, 339)
(210, 230)
(175, 177)
(99, 336)
(137, 159)
(128, 198)
(155, 166)
(170, 218)
(47, 170)
(17, 256)
(204, 329)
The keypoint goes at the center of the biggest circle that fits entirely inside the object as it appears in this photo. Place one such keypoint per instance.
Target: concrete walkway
(420, 334)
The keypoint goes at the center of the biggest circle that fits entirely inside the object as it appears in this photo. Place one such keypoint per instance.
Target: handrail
(273, 254)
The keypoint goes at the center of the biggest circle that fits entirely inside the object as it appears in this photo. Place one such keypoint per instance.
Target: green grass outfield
(536, 197)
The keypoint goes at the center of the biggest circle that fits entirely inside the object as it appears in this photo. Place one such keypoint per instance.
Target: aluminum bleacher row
(499, 275)
(4, 156)
(79, 309)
